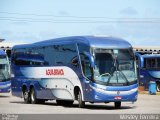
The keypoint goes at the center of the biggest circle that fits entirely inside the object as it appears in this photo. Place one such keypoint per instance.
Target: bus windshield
(4, 69)
(114, 67)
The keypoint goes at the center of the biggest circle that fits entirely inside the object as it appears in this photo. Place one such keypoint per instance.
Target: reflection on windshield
(113, 69)
(4, 69)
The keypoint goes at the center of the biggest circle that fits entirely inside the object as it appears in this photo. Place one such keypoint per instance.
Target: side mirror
(91, 59)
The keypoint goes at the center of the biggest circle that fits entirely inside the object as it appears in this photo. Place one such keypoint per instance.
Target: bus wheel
(117, 105)
(33, 96)
(26, 97)
(158, 86)
(81, 103)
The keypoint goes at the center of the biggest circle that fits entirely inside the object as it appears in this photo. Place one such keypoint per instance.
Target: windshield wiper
(124, 77)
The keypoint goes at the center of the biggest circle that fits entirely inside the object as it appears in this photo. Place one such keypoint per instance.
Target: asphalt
(146, 104)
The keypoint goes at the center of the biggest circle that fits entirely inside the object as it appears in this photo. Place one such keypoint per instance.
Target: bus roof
(100, 42)
(151, 56)
(2, 52)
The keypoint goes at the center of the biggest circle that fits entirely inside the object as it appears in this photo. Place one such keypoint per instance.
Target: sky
(28, 21)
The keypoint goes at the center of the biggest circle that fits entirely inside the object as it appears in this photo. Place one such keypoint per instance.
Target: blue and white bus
(149, 69)
(5, 83)
(83, 68)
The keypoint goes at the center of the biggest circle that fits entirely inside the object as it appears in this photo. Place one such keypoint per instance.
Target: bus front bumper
(101, 95)
(5, 87)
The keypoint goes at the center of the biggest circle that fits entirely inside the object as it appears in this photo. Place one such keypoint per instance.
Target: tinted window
(30, 59)
(64, 54)
(151, 63)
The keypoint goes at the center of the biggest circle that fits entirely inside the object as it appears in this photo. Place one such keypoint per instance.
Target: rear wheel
(117, 105)
(34, 100)
(81, 103)
(26, 96)
(33, 96)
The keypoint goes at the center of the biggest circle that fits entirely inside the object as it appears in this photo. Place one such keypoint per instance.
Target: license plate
(117, 97)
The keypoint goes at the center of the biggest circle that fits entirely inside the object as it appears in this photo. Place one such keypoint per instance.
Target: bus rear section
(149, 70)
(5, 83)
(85, 69)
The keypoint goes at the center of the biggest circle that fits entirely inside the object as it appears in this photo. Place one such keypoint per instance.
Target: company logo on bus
(54, 72)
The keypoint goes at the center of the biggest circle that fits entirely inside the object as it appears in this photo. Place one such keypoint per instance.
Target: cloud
(129, 11)
(136, 33)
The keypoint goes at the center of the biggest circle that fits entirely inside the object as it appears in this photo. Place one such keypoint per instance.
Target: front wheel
(117, 105)
(158, 86)
(81, 103)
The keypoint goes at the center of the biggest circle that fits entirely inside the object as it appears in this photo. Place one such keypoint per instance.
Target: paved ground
(146, 104)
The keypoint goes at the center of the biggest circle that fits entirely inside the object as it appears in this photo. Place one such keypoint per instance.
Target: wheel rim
(25, 95)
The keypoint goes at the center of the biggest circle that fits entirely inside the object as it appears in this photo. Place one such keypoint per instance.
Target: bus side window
(22, 62)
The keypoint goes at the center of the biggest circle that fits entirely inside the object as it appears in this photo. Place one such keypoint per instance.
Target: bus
(83, 68)
(149, 69)
(5, 82)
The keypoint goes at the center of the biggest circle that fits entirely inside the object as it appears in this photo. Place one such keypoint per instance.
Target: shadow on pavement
(4, 96)
(101, 107)
(87, 106)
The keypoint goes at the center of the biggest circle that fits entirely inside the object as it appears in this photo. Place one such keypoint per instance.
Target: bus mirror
(91, 59)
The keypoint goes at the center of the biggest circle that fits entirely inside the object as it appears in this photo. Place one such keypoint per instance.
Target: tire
(158, 86)
(26, 96)
(34, 100)
(117, 105)
(81, 103)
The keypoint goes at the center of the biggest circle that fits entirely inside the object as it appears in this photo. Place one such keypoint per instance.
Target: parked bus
(83, 68)
(5, 83)
(149, 69)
